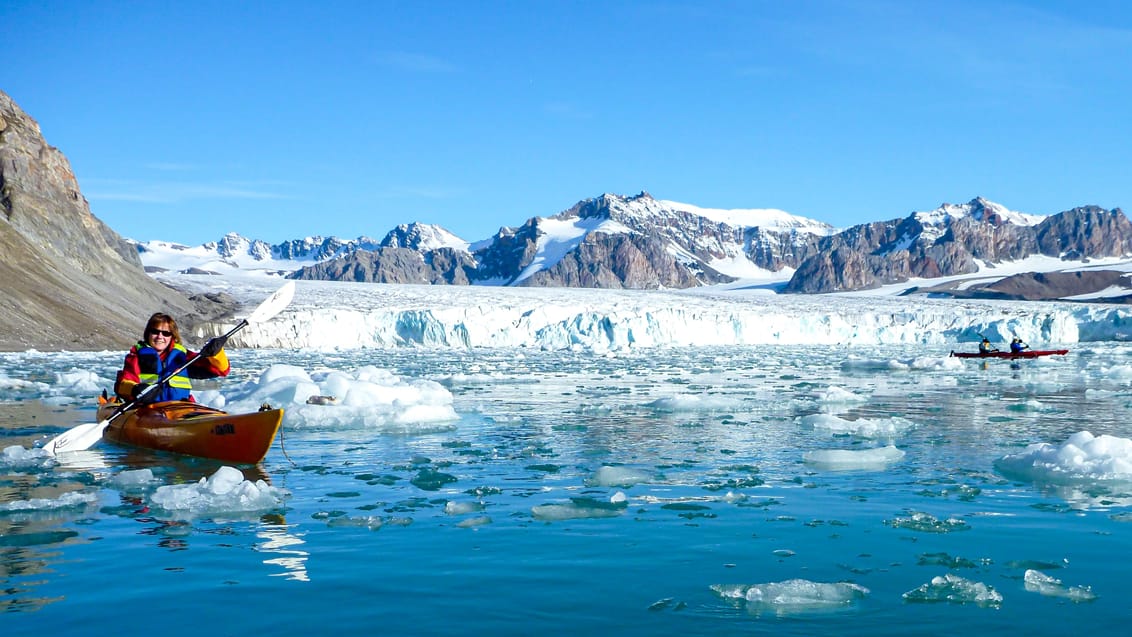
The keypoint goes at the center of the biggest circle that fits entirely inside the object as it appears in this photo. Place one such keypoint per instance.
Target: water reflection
(278, 540)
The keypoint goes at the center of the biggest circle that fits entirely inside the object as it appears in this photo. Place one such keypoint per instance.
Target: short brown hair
(159, 318)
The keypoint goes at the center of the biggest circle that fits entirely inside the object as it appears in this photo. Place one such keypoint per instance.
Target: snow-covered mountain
(608, 241)
(639, 242)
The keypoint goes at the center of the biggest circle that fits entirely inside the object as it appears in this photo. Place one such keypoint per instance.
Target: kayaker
(160, 352)
(986, 348)
(1016, 346)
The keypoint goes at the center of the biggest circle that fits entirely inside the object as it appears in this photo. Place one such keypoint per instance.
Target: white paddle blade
(78, 438)
(274, 304)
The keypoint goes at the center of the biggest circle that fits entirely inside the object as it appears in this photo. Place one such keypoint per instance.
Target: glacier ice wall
(330, 315)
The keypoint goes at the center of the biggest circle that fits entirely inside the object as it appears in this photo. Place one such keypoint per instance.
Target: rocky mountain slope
(952, 240)
(67, 281)
(639, 242)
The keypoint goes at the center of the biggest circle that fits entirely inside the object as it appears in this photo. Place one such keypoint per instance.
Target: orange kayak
(193, 429)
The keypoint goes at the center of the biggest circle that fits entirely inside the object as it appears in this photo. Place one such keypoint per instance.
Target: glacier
(331, 315)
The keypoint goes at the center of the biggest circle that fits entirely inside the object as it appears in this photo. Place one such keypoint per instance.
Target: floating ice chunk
(1117, 372)
(578, 508)
(957, 590)
(920, 363)
(80, 381)
(846, 459)
(461, 508)
(927, 523)
(225, 491)
(70, 500)
(370, 397)
(280, 370)
(17, 456)
(1082, 458)
(608, 476)
(133, 478)
(371, 522)
(863, 427)
(794, 595)
(1039, 582)
(692, 402)
(837, 395)
(9, 384)
(1027, 405)
(473, 522)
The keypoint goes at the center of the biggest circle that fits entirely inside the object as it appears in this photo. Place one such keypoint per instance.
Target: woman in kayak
(1016, 346)
(161, 353)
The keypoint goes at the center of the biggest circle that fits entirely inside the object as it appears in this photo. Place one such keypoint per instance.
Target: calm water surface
(504, 523)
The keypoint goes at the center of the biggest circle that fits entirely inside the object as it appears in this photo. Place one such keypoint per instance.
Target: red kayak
(1029, 353)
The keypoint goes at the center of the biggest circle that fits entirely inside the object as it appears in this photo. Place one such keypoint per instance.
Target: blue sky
(280, 120)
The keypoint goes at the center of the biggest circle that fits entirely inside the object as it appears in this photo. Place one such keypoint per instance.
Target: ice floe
(225, 491)
(1083, 457)
(956, 590)
(793, 596)
(850, 459)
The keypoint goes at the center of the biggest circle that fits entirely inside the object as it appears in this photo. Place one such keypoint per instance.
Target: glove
(213, 346)
(137, 390)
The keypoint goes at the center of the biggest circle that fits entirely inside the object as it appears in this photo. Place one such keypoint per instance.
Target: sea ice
(1082, 458)
(846, 459)
(608, 476)
(692, 402)
(579, 508)
(133, 479)
(794, 595)
(225, 491)
(17, 456)
(473, 522)
(1039, 582)
(957, 590)
(863, 427)
(927, 523)
(370, 396)
(461, 508)
(65, 501)
(837, 395)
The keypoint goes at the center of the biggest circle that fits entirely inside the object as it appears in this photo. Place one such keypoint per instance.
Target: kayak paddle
(87, 435)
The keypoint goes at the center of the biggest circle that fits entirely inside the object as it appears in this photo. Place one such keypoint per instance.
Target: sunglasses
(165, 333)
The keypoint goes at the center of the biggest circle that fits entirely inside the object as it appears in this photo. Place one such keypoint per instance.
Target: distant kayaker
(158, 354)
(1016, 346)
(986, 348)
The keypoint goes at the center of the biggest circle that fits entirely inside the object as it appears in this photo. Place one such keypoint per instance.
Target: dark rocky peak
(1086, 231)
(512, 249)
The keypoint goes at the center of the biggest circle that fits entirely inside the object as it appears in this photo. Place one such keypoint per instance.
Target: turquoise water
(580, 493)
